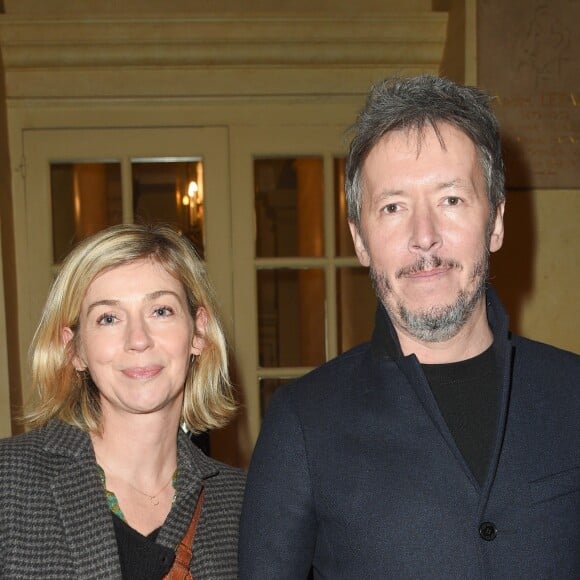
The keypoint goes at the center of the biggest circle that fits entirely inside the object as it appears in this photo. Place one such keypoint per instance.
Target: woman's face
(136, 338)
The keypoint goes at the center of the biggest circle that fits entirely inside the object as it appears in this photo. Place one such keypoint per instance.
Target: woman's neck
(138, 447)
(139, 459)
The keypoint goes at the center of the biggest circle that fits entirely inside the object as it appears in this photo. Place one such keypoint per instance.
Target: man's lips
(426, 268)
(142, 373)
(426, 274)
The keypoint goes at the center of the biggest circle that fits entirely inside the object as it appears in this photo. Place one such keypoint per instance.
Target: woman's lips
(147, 372)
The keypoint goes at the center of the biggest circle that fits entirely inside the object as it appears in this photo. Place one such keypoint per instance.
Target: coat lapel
(80, 500)
(411, 368)
(385, 343)
(194, 468)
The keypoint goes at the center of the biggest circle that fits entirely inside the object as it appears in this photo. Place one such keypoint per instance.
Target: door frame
(41, 147)
(247, 142)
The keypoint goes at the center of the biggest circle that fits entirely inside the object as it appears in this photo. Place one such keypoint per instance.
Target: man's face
(424, 230)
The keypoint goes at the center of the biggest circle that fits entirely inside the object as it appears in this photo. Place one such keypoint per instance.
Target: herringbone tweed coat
(55, 522)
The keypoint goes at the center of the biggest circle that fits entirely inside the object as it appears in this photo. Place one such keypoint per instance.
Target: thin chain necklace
(153, 499)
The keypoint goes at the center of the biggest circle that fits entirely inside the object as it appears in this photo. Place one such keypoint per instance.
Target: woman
(106, 485)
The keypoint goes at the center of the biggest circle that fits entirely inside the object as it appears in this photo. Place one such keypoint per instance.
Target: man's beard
(437, 323)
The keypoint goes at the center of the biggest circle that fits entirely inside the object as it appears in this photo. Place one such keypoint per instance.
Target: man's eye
(453, 200)
(390, 208)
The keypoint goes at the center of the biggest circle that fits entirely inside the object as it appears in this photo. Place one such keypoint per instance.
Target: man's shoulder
(547, 369)
(339, 368)
(531, 347)
(334, 380)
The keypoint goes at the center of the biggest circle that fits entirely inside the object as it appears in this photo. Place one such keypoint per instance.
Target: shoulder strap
(180, 569)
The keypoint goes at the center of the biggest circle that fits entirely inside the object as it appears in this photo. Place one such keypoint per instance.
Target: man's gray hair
(417, 103)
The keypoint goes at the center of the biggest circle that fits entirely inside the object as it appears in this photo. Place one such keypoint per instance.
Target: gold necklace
(153, 499)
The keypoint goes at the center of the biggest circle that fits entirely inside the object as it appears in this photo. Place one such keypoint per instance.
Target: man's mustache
(424, 263)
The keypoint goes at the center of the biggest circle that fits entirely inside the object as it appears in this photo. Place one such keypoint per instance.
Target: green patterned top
(112, 498)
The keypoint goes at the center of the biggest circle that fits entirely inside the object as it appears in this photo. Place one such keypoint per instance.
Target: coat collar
(80, 502)
(82, 506)
(385, 348)
(195, 468)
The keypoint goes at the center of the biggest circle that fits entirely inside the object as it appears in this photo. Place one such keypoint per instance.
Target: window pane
(344, 245)
(291, 317)
(357, 303)
(170, 191)
(86, 197)
(289, 207)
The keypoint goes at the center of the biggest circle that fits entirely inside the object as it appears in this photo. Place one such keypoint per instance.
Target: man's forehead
(417, 134)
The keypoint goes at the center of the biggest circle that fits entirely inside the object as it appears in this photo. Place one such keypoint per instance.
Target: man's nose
(425, 232)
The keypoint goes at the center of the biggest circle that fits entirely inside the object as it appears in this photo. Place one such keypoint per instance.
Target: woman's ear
(199, 331)
(67, 336)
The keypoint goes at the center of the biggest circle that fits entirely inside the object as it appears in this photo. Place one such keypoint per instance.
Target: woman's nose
(138, 335)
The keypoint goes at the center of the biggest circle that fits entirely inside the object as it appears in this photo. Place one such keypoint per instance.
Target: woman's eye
(106, 319)
(453, 200)
(163, 311)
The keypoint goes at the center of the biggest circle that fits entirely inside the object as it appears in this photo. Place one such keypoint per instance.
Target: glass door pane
(86, 198)
(355, 307)
(344, 244)
(170, 191)
(291, 317)
(289, 206)
(289, 202)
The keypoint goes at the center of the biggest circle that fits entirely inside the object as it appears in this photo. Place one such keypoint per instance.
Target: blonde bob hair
(61, 391)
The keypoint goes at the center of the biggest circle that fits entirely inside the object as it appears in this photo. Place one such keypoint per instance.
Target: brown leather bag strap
(180, 569)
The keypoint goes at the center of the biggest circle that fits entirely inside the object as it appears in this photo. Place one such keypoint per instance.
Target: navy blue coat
(356, 474)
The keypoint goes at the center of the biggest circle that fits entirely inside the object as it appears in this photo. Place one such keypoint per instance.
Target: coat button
(488, 531)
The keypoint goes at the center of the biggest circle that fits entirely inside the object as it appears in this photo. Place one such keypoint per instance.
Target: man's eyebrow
(456, 184)
(388, 193)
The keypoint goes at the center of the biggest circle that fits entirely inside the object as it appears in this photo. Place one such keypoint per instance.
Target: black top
(467, 395)
(141, 557)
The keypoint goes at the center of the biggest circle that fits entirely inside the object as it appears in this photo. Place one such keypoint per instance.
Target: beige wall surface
(191, 7)
(536, 271)
(529, 58)
(536, 85)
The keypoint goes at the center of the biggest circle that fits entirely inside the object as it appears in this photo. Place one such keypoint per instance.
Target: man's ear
(67, 336)
(359, 244)
(496, 237)
(199, 331)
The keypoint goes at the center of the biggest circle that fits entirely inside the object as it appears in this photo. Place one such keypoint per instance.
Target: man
(446, 447)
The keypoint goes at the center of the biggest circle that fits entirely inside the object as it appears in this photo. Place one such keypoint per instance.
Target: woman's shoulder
(19, 447)
(41, 445)
(229, 473)
(224, 475)
(213, 471)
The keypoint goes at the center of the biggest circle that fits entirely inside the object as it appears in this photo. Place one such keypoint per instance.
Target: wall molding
(122, 57)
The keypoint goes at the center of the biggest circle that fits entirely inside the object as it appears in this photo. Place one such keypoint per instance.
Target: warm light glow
(185, 200)
(192, 189)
